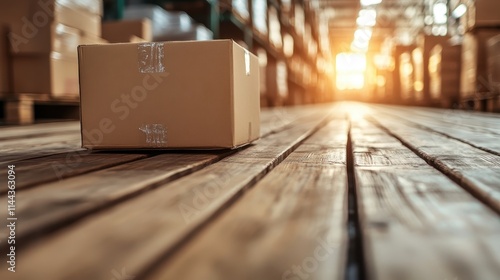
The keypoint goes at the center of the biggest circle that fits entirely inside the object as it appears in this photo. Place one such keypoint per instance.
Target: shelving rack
(289, 76)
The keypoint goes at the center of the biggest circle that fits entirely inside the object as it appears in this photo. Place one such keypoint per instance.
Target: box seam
(231, 90)
(80, 62)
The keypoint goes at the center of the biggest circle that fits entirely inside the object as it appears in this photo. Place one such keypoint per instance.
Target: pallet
(19, 108)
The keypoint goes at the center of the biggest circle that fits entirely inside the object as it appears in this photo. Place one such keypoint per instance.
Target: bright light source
(352, 81)
(365, 22)
(440, 19)
(418, 86)
(439, 9)
(357, 46)
(288, 45)
(364, 34)
(368, 13)
(367, 17)
(350, 70)
(382, 61)
(350, 62)
(370, 2)
(459, 11)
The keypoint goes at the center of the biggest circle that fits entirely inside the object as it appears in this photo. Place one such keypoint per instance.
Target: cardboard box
(474, 72)
(56, 37)
(480, 13)
(88, 6)
(494, 62)
(199, 95)
(126, 30)
(31, 22)
(52, 73)
(5, 72)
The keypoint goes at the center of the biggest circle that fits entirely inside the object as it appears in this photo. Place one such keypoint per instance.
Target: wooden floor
(341, 191)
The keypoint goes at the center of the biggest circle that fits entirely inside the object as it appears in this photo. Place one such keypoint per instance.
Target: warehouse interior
(435, 53)
(250, 139)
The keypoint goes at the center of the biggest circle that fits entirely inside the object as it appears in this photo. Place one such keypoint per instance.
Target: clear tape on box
(151, 57)
(156, 134)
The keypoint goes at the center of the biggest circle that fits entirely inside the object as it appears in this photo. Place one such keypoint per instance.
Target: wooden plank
(45, 169)
(480, 135)
(474, 169)
(471, 120)
(290, 225)
(275, 119)
(69, 205)
(416, 222)
(15, 149)
(50, 206)
(35, 171)
(30, 131)
(135, 234)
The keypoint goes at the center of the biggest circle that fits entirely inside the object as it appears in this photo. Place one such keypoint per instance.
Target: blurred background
(436, 53)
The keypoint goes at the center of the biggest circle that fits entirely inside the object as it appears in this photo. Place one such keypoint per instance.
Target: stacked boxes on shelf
(481, 21)
(168, 25)
(5, 80)
(444, 71)
(474, 76)
(479, 13)
(494, 72)
(43, 38)
(277, 28)
(127, 31)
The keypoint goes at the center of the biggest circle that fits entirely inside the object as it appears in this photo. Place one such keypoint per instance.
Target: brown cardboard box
(474, 72)
(32, 22)
(88, 6)
(52, 73)
(56, 37)
(200, 95)
(4, 60)
(481, 13)
(124, 31)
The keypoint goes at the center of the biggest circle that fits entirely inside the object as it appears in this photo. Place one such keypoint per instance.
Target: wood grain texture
(36, 171)
(135, 234)
(15, 149)
(417, 223)
(470, 120)
(479, 131)
(37, 130)
(52, 205)
(476, 170)
(292, 224)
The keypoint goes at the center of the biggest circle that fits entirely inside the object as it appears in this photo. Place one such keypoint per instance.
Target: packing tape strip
(156, 134)
(150, 57)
